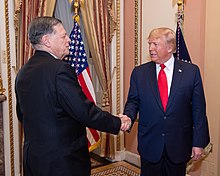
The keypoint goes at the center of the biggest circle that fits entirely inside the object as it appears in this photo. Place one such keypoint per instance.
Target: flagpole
(180, 13)
(78, 60)
(76, 7)
(179, 25)
(180, 3)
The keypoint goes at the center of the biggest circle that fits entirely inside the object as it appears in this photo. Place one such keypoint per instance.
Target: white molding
(133, 158)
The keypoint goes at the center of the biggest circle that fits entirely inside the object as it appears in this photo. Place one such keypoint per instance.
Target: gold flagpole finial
(180, 5)
(76, 7)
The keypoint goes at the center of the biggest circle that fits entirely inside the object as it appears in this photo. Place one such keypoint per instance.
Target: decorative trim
(136, 34)
(16, 16)
(2, 89)
(113, 20)
(118, 88)
(9, 88)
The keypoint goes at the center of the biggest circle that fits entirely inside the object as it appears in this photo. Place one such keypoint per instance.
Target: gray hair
(41, 26)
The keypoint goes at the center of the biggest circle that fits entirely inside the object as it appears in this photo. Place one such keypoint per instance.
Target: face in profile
(59, 42)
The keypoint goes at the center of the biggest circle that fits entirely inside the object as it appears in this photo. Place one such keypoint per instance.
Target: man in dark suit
(53, 109)
(172, 125)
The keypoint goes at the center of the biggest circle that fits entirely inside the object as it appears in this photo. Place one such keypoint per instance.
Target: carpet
(97, 161)
(120, 168)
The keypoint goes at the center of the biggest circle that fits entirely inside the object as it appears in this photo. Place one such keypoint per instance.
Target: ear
(46, 41)
(170, 48)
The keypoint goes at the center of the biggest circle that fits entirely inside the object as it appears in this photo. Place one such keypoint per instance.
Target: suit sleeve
(200, 131)
(18, 108)
(75, 103)
(132, 105)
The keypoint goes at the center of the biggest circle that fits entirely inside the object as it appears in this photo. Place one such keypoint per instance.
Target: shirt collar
(53, 55)
(169, 64)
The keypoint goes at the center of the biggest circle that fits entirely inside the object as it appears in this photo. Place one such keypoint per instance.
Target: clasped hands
(125, 122)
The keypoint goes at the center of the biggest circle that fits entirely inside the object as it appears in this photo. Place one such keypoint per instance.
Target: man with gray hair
(53, 109)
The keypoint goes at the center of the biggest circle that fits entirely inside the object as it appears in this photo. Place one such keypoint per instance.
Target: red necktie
(163, 87)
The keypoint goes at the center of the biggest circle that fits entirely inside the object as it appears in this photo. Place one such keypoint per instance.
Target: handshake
(125, 122)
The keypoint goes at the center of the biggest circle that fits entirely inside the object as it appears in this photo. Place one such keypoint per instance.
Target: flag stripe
(92, 135)
(86, 83)
(95, 134)
(85, 89)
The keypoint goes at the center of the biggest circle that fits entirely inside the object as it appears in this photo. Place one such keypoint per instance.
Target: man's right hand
(125, 122)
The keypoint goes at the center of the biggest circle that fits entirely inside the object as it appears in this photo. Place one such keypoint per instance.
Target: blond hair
(169, 34)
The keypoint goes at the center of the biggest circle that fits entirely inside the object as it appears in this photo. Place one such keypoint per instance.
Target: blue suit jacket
(182, 126)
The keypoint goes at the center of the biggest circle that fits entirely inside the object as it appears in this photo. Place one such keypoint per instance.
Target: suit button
(163, 134)
(164, 117)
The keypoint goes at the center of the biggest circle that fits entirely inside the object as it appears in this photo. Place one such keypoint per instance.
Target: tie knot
(162, 66)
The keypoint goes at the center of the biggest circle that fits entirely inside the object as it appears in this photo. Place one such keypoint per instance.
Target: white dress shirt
(168, 70)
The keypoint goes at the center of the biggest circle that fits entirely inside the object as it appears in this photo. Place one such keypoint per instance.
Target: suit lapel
(153, 83)
(177, 76)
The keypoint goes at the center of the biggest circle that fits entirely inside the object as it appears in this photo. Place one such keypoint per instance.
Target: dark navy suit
(182, 126)
(54, 113)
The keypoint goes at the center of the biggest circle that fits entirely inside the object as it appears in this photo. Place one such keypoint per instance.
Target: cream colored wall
(202, 33)
(212, 81)
(194, 34)
(155, 14)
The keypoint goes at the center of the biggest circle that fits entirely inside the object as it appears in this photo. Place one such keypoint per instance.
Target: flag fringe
(94, 146)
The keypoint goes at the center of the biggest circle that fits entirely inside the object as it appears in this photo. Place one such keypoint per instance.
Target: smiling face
(58, 42)
(161, 44)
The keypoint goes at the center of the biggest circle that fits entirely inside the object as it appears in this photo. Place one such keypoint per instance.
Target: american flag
(78, 60)
(181, 49)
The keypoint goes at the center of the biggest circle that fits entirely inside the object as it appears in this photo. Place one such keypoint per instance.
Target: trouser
(165, 167)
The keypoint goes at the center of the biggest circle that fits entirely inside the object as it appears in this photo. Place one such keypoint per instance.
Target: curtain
(25, 11)
(64, 12)
(98, 19)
